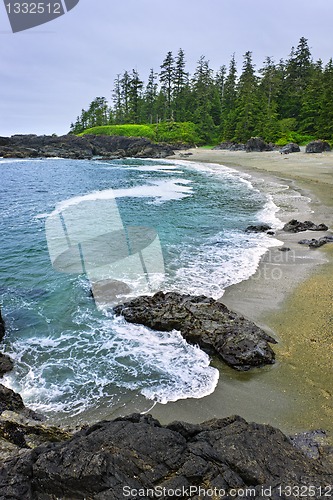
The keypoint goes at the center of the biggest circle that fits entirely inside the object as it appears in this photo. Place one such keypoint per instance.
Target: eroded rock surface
(205, 322)
(110, 459)
(85, 147)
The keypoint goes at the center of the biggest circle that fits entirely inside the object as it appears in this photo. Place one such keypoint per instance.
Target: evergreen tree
(181, 87)
(135, 86)
(125, 96)
(204, 99)
(325, 115)
(167, 84)
(269, 88)
(117, 101)
(309, 118)
(228, 112)
(149, 107)
(248, 111)
(296, 79)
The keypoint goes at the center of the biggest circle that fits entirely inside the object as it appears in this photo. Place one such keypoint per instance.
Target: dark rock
(257, 144)
(88, 146)
(259, 228)
(290, 148)
(205, 322)
(10, 400)
(317, 147)
(2, 327)
(237, 147)
(294, 226)
(317, 243)
(109, 459)
(284, 249)
(6, 364)
(313, 243)
(306, 242)
(271, 233)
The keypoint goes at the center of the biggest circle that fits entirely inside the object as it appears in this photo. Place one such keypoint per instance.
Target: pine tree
(228, 111)
(325, 115)
(204, 99)
(149, 107)
(135, 86)
(296, 78)
(269, 88)
(181, 87)
(247, 103)
(309, 118)
(167, 84)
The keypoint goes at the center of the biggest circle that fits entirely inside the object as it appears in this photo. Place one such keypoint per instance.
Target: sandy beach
(290, 296)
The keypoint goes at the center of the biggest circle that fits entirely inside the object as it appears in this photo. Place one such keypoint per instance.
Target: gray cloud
(49, 73)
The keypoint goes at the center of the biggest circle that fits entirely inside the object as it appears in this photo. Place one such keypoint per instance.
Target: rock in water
(317, 147)
(205, 322)
(2, 327)
(258, 228)
(125, 457)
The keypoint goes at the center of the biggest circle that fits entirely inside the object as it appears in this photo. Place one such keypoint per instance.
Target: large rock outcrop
(317, 147)
(85, 147)
(205, 322)
(257, 144)
(129, 456)
(22, 428)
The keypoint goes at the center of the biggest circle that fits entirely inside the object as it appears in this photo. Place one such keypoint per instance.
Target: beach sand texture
(291, 296)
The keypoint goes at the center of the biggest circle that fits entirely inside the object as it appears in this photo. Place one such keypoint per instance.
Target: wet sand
(291, 296)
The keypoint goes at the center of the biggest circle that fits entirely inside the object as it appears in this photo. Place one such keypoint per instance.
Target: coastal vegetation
(286, 101)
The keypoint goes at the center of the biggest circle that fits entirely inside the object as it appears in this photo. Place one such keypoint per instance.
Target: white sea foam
(93, 365)
(160, 190)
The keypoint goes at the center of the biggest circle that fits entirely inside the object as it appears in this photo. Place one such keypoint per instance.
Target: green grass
(123, 130)
(170, 132)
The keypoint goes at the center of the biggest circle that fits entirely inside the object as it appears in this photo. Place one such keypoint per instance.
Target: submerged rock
(295, 226)
(317, 147)
(85, 147)
(205, 322)
(127, 456)
(258, 228)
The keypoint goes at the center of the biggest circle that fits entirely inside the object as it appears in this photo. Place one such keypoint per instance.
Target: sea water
(72, 356)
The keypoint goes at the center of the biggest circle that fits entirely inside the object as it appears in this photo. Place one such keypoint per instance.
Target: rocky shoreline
(130, 455)
(81, 148)
(133, 454)
(205, 322)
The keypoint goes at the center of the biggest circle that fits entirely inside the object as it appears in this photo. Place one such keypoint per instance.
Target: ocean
(184, 225)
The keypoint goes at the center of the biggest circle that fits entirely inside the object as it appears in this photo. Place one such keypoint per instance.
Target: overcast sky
(49, 73)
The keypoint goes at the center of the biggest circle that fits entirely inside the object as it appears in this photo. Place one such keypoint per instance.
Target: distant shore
(290, 295)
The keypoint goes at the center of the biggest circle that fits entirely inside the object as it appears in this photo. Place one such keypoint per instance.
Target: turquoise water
(71, 355)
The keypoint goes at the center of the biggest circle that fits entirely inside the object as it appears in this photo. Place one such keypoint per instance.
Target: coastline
(290, 296)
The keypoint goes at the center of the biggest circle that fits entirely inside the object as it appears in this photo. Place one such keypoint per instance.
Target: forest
(286, 101)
